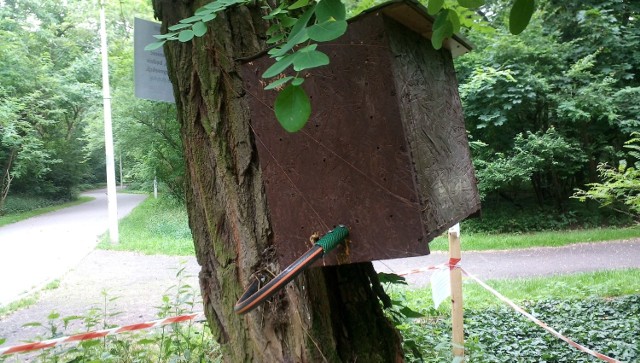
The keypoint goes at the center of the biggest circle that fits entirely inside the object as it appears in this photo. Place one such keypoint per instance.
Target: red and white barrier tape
(453, 262)
(28, 347)
(540, 323)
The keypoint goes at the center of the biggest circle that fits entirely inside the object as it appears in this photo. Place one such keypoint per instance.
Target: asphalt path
(41, 249)
(530, 262)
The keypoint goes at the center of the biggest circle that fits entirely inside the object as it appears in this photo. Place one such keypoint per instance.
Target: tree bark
(328, 314)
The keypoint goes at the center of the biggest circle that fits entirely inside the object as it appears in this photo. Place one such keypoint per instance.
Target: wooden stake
(457, 314)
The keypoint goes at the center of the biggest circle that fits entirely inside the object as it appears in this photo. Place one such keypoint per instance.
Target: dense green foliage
(51, 135)
(609, 326)
(47, 86)
(546, 107)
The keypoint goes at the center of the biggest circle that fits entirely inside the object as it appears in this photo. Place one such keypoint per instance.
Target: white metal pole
(108, 133)
(155, 187)
(121, 178)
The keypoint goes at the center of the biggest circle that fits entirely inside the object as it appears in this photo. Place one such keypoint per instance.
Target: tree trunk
(328, 314)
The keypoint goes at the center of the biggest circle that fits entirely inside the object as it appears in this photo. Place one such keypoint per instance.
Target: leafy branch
(296, 39)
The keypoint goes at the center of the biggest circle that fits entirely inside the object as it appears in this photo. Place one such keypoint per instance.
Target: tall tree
(329, 314)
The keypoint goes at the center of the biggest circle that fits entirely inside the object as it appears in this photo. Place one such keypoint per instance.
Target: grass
(603, 284)
(19, 216)
(156, 226)
(27, 301)
(506, 241)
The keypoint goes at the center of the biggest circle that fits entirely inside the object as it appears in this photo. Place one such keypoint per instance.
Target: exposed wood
(433, 123)
(457, 307)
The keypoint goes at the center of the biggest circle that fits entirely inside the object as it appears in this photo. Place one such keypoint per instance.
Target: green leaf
(301, 24)
(2, 340)
(275, 39)
(292, 108)
(408, 313)
(384, 278)
(191, 19)
(154, 46)
(471, 4)
(33, 323)
(310, 59)
(327, 31)
(441, 19)
(297, 81)
(301, 37)
(434, 6)
(308, 48)
(185, 35)
(298, 4)
(204, 11)
(164, 36)
(54, 315)
(199, 29)
(279, 66)
(520, 15)
(287, 21)
(455, 21)
(439, 35)
(330, 10)
(179, 26)
(278, 83)
(209, 17)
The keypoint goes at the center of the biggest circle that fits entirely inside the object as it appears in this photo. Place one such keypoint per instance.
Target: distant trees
(546, 107)
(51, 137)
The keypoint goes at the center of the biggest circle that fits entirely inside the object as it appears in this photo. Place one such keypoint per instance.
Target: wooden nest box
(385, 151)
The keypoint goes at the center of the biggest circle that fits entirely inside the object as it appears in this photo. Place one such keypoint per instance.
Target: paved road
(544, 261)
(41, 249)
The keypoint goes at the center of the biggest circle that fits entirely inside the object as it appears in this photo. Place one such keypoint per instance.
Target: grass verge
(27, 301)
(506, 241)
(156, 227)
(604, 284)
(17, 217)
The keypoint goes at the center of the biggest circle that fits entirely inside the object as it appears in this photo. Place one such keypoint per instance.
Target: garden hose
(255, 295)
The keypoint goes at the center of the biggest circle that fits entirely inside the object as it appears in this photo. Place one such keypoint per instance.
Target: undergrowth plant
(176, 343)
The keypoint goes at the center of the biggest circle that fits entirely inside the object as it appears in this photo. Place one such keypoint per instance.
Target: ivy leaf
(471, 4)
(330, 9)
(434, 6)
(327, 31)
(278, 83)
(279, 66)
(199, 29)
(185, 35)
(310, 59)
(154, 46)
(520, 15)
(292, 108)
